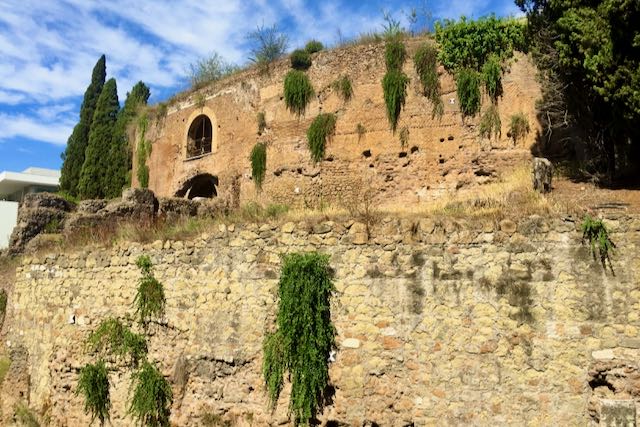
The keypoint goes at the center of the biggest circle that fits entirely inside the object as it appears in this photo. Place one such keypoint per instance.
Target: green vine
(143, 152)
(394, 85)
(304, 336)
(322, 128)
(258, 164)
(395, 54)
(492, 77)
(490, 124)
(595, 232)
(344, 88)
(150, 300)
(468, 89)
(93, 384)
(113, 338)
(298, 92)
(426, 64)
(152, 397)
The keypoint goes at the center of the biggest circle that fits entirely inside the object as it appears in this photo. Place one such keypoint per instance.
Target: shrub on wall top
(314, 46)
(395, 54)
(300, 59)
(298, 91)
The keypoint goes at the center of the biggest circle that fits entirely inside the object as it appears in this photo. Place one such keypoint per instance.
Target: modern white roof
(10, 182)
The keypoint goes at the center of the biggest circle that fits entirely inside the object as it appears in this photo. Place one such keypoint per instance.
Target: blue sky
(48, 48)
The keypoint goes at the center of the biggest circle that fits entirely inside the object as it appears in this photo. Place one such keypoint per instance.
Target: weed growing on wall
(25, 416)
(468, 89)
(143, 152)
(152, 397)
(518, 126)
(490, 124)
(3, 305)
(313, 46)
(93, 385)
(426, 64)
(344, 88)
(298, 91)
(150, 300)
(262, 122)
(360, 130)
(492, 77)
(304, 337)
(115, 339)
(258, 160)
(300, 60)
(395, 54)
(322, 129)
(394, 85)
(404, 137)
(595, 232)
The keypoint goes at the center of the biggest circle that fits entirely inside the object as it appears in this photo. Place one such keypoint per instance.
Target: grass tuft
(298, 92)
(320, 131)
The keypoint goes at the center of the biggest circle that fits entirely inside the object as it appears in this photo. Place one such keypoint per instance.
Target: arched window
(200, 137)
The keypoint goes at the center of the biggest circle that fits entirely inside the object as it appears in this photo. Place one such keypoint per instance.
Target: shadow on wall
(202, 185)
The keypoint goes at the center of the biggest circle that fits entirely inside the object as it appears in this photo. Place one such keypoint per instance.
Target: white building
(13, 187)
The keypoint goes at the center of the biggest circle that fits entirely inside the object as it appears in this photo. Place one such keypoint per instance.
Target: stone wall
(440, 155)
(439, 322)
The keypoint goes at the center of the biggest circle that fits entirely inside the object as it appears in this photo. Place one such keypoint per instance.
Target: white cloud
(56, 132)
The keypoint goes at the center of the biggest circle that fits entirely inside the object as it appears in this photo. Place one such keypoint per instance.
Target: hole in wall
(366, 153)
(450, 138)
(402, 154)
(202, 185)
(441, 161)
(414, 149)
(370, 165)
(441, 139)
(330, 158)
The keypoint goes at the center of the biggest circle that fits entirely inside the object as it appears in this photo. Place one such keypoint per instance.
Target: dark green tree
(118, 175)
(79, 139)
(93, 177)
(589, 55)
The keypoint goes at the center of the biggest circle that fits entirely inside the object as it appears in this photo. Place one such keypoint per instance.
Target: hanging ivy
(258, 164)
(322, 129)
(304, 337)
(394, 86)
(152, 397)
(93, 385)
(150, 300)
(115, 339)
(298, 91)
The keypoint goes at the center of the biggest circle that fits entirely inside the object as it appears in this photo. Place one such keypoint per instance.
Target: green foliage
(300, 59)
(3, 305)
(73, 157)
(394, 85)
(596, 233)
(313, 46)
(344, 88)
(490, 124)
(360, 130)
(468, 89)
(93, 385)
(426, 65)
(5, 364)
(267, 44)
(589, 53)
(200, 100)
(518, 126)
(258, 160)
(468, 44)
(492, 77)
(255, 212)
(93, 180)
(262, 122)
(53, 226)
(152, 397)
(391, 28)
(322, 128)
(121, 151)
(25, 416)
(209, 70)
(113, 338)
(395, 54)
(150, 300)
(298, 91)
(143, 152)
(304, 336)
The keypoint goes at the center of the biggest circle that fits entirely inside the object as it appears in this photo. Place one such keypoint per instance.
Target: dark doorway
(203, 185)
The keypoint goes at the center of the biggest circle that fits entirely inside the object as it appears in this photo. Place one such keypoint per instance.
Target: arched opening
(200, 137)
(203, 185)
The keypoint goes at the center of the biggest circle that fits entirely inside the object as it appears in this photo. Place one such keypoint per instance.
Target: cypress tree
(93, 176)
(77, 143)
(118, 174)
